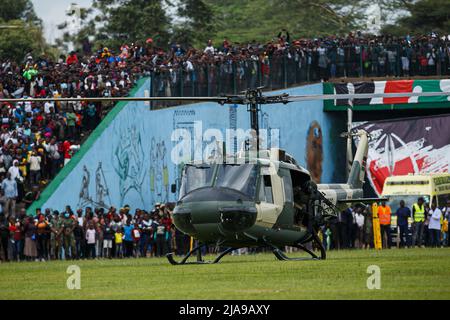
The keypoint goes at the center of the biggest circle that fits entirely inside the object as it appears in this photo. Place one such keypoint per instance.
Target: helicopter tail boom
(358, 170)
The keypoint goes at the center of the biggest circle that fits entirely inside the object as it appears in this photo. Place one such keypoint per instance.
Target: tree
(261, 20)
(135, 20)
(424, 16)
(18, 10)
(197, 25)
(16, 42)
(22, 30)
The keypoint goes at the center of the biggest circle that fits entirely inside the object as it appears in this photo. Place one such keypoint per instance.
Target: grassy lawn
(405, 274)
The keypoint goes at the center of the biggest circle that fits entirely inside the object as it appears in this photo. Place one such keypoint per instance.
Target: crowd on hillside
(422, 225)
(37, 139)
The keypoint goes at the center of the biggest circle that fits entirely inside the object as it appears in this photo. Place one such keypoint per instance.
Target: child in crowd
(90, 240)
(118, 239)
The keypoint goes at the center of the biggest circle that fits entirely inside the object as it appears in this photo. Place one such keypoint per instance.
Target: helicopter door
(270, 197)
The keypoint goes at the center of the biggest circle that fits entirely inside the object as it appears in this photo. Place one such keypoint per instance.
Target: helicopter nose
(213, 212)
(236, 219)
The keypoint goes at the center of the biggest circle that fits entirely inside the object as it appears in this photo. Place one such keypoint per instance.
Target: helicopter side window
(288, 193)
(267, 184)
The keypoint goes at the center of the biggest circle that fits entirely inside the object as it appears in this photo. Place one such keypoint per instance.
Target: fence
(294, 67)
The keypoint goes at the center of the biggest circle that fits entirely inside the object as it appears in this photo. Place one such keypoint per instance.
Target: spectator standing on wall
(9, 187)
(35, 167)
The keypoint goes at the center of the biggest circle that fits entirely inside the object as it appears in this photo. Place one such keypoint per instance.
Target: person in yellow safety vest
(384, 215)
(418, 214)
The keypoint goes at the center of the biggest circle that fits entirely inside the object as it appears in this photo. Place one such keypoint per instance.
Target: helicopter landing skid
(199, 259)
(283, 257)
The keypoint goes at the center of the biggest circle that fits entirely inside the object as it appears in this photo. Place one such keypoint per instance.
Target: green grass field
(405, 274)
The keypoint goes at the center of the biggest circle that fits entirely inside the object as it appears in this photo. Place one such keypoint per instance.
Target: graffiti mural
(101, 190)
(128, 158)
(314, 151)
(129, 162)
(159, 172)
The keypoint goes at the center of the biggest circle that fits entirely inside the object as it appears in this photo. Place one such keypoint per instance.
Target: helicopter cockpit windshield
(241, 178)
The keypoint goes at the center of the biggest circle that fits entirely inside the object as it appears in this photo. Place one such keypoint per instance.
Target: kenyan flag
(400, 86)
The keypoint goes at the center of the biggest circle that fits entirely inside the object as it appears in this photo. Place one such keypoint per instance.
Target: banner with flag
(407, 146)
(395, 86)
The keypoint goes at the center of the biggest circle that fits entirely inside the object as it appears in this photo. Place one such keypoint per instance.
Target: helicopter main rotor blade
(366, 96)
(238, 99)
(118, 99)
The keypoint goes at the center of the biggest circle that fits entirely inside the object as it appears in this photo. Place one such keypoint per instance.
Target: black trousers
(5, 244)
(160, 245)
(128, 248)
(386, 230)
(42, 246)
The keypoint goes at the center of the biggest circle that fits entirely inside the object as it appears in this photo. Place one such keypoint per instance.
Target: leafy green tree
(21, 30)
(260, 20)
(197, 22)
(136, 20)
(20, 39)
(424, 16)
(18, 10)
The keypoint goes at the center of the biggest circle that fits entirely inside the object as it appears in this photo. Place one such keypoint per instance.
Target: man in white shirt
(35, 168)
(434, 227)
(48, 107)
(209, 48)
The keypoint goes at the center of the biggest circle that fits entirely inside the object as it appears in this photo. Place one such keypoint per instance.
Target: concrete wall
(127, 160)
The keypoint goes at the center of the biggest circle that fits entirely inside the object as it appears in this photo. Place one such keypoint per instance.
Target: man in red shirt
(72, 58)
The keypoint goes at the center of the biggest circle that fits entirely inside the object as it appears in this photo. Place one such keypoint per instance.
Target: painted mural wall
(130, 161)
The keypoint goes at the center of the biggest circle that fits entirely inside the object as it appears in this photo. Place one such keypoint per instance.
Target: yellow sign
(376, 228)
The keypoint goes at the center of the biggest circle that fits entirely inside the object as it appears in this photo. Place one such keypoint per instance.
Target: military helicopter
(265, 201)
(268, 201)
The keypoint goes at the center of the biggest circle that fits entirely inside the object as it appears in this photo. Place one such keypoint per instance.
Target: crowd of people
(422, 225)
(99, 233)
(90, 234)
(227, 68)
(38, 139)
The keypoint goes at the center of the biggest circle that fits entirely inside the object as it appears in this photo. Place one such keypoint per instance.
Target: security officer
(384, 215)
(418, 213)
(55, 236)
(66, 226)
